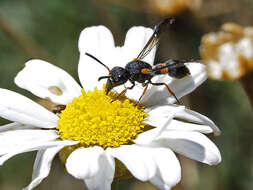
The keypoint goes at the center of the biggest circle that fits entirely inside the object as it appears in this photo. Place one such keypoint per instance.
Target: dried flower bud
(228, 53)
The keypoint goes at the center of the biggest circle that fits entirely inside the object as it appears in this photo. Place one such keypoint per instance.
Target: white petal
(196, 117)
(183, 126)
(92, 165)
(99, 42)
(181, 87)
(35, 146)
(15, 107)
(160, 115)
(17, 139)
(159, 118)
(162, 111)
(136, 39)
(147, 137)
(138, 160)
(191, 144)
(48, 81)
(169, 170)
(42, 165)
(104, 177)
(15, 126)
(83, 162)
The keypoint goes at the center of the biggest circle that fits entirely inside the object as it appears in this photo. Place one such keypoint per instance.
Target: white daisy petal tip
(164, 179)
(48, 81)
(136, 39)
(193, 145)
(97, 41)
(93, 33)
(216, 160)
(201, 119)
(183, 113)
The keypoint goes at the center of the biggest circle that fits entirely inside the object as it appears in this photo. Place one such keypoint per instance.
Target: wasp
(142, 72)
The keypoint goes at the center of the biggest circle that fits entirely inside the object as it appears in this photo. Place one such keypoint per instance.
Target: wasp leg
(144, 91)
(171, 92)
(123, 92)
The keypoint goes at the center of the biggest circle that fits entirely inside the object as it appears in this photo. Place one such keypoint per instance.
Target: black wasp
(142, 72)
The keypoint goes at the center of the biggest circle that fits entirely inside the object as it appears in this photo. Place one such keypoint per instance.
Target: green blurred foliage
(51, 30)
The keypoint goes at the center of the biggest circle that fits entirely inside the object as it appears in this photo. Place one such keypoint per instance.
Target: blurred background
(49, 30)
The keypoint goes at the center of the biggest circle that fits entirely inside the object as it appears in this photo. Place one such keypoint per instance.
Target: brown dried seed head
(228, 53)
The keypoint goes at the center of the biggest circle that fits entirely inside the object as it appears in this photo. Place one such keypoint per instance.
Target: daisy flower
(91, 131)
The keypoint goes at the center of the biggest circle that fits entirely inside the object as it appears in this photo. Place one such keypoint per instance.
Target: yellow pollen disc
(93, 120)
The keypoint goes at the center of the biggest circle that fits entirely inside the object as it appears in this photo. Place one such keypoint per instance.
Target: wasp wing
(173, 64)
(154, 39)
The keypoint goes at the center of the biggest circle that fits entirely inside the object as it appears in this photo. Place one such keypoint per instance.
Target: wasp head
(118, 77)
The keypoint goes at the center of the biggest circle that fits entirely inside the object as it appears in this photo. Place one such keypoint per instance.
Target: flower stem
(246, 82)
(115, 185)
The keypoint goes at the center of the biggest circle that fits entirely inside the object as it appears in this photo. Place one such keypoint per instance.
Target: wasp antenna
(103, 77)
(98, 61)
(166, 21)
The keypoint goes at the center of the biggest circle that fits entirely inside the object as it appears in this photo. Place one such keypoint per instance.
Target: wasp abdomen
(177, 69)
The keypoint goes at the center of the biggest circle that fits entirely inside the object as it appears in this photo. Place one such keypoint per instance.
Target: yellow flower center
(92, 120)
